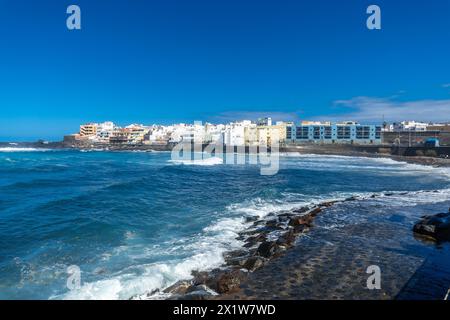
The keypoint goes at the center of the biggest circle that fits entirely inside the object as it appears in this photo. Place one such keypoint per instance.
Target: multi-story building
(136, 133)
(264, 122)
(267, 135)
(326, 132)
(104, 131)
(89, 129)
(234, 133)
(410, 126)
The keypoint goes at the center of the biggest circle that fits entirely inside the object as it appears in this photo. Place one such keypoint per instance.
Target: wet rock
(267, 249)
(236, 258)
(435, 226)
(258, 238)
(272, 223)
(200, 292)
(300, 228)
(301, 220)
(229, 281)
(203, 277)
(301, 210)
(328, 204)
(287, 238)
(281, 226)
(179, 287)
(284, 217)
(199, 288)
(251, 219)
(249, 232)
(253, 263)
(258, 223)
(351, 199)
(235, 254)
(237, 261)
(314, 212)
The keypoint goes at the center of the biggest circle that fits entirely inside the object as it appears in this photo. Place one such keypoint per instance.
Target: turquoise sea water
(136, 221)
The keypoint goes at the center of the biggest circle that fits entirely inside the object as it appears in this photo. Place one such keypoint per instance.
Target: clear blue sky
(171, 61)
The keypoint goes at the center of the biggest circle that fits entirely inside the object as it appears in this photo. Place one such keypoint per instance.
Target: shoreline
(274, 238)
(343, 150)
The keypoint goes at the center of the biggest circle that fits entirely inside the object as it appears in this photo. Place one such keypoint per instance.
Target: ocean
(134, 222)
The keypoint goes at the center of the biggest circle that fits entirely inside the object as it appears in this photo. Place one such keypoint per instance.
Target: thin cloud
(370, 109)
(446, 85)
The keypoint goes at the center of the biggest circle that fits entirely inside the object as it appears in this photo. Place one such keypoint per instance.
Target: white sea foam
(351, 163)
(199, 162)
(207, 253)
(13, 149)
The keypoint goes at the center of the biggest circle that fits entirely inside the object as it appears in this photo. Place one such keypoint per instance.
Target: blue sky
(178, 61)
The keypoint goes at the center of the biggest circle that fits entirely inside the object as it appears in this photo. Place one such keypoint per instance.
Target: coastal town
(264, 131)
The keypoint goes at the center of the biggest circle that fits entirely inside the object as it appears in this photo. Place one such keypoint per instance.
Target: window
(302, 133)
(327, 133)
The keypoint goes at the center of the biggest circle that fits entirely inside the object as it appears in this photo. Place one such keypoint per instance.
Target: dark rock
(237, 261)
(258, 223)
(179, 287)
(351, 199)
(272, 223)
(198, 288)
(254, 263)
(314, 212)
(301, 220)
(328, 203)
(267, 249)
(235, 254)
(251, 219)
(250, 232)
(280, 226)
(200, 292)
(249, 244)
(284, 217)
(258, 238)
(229, 281)
(435, 226)
(300, 228)
(203, 277)
(300, 210)
(287, 238)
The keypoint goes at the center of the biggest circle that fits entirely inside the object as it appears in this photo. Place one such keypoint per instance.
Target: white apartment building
(410, 126)
(104, 131)
(234, 133)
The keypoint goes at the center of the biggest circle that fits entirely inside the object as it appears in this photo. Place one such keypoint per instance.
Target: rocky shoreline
(265, 240)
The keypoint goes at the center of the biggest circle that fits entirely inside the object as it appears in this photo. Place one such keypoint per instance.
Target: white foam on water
(199, 162)
(414, 198)
(381, 164)
(140, 282)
